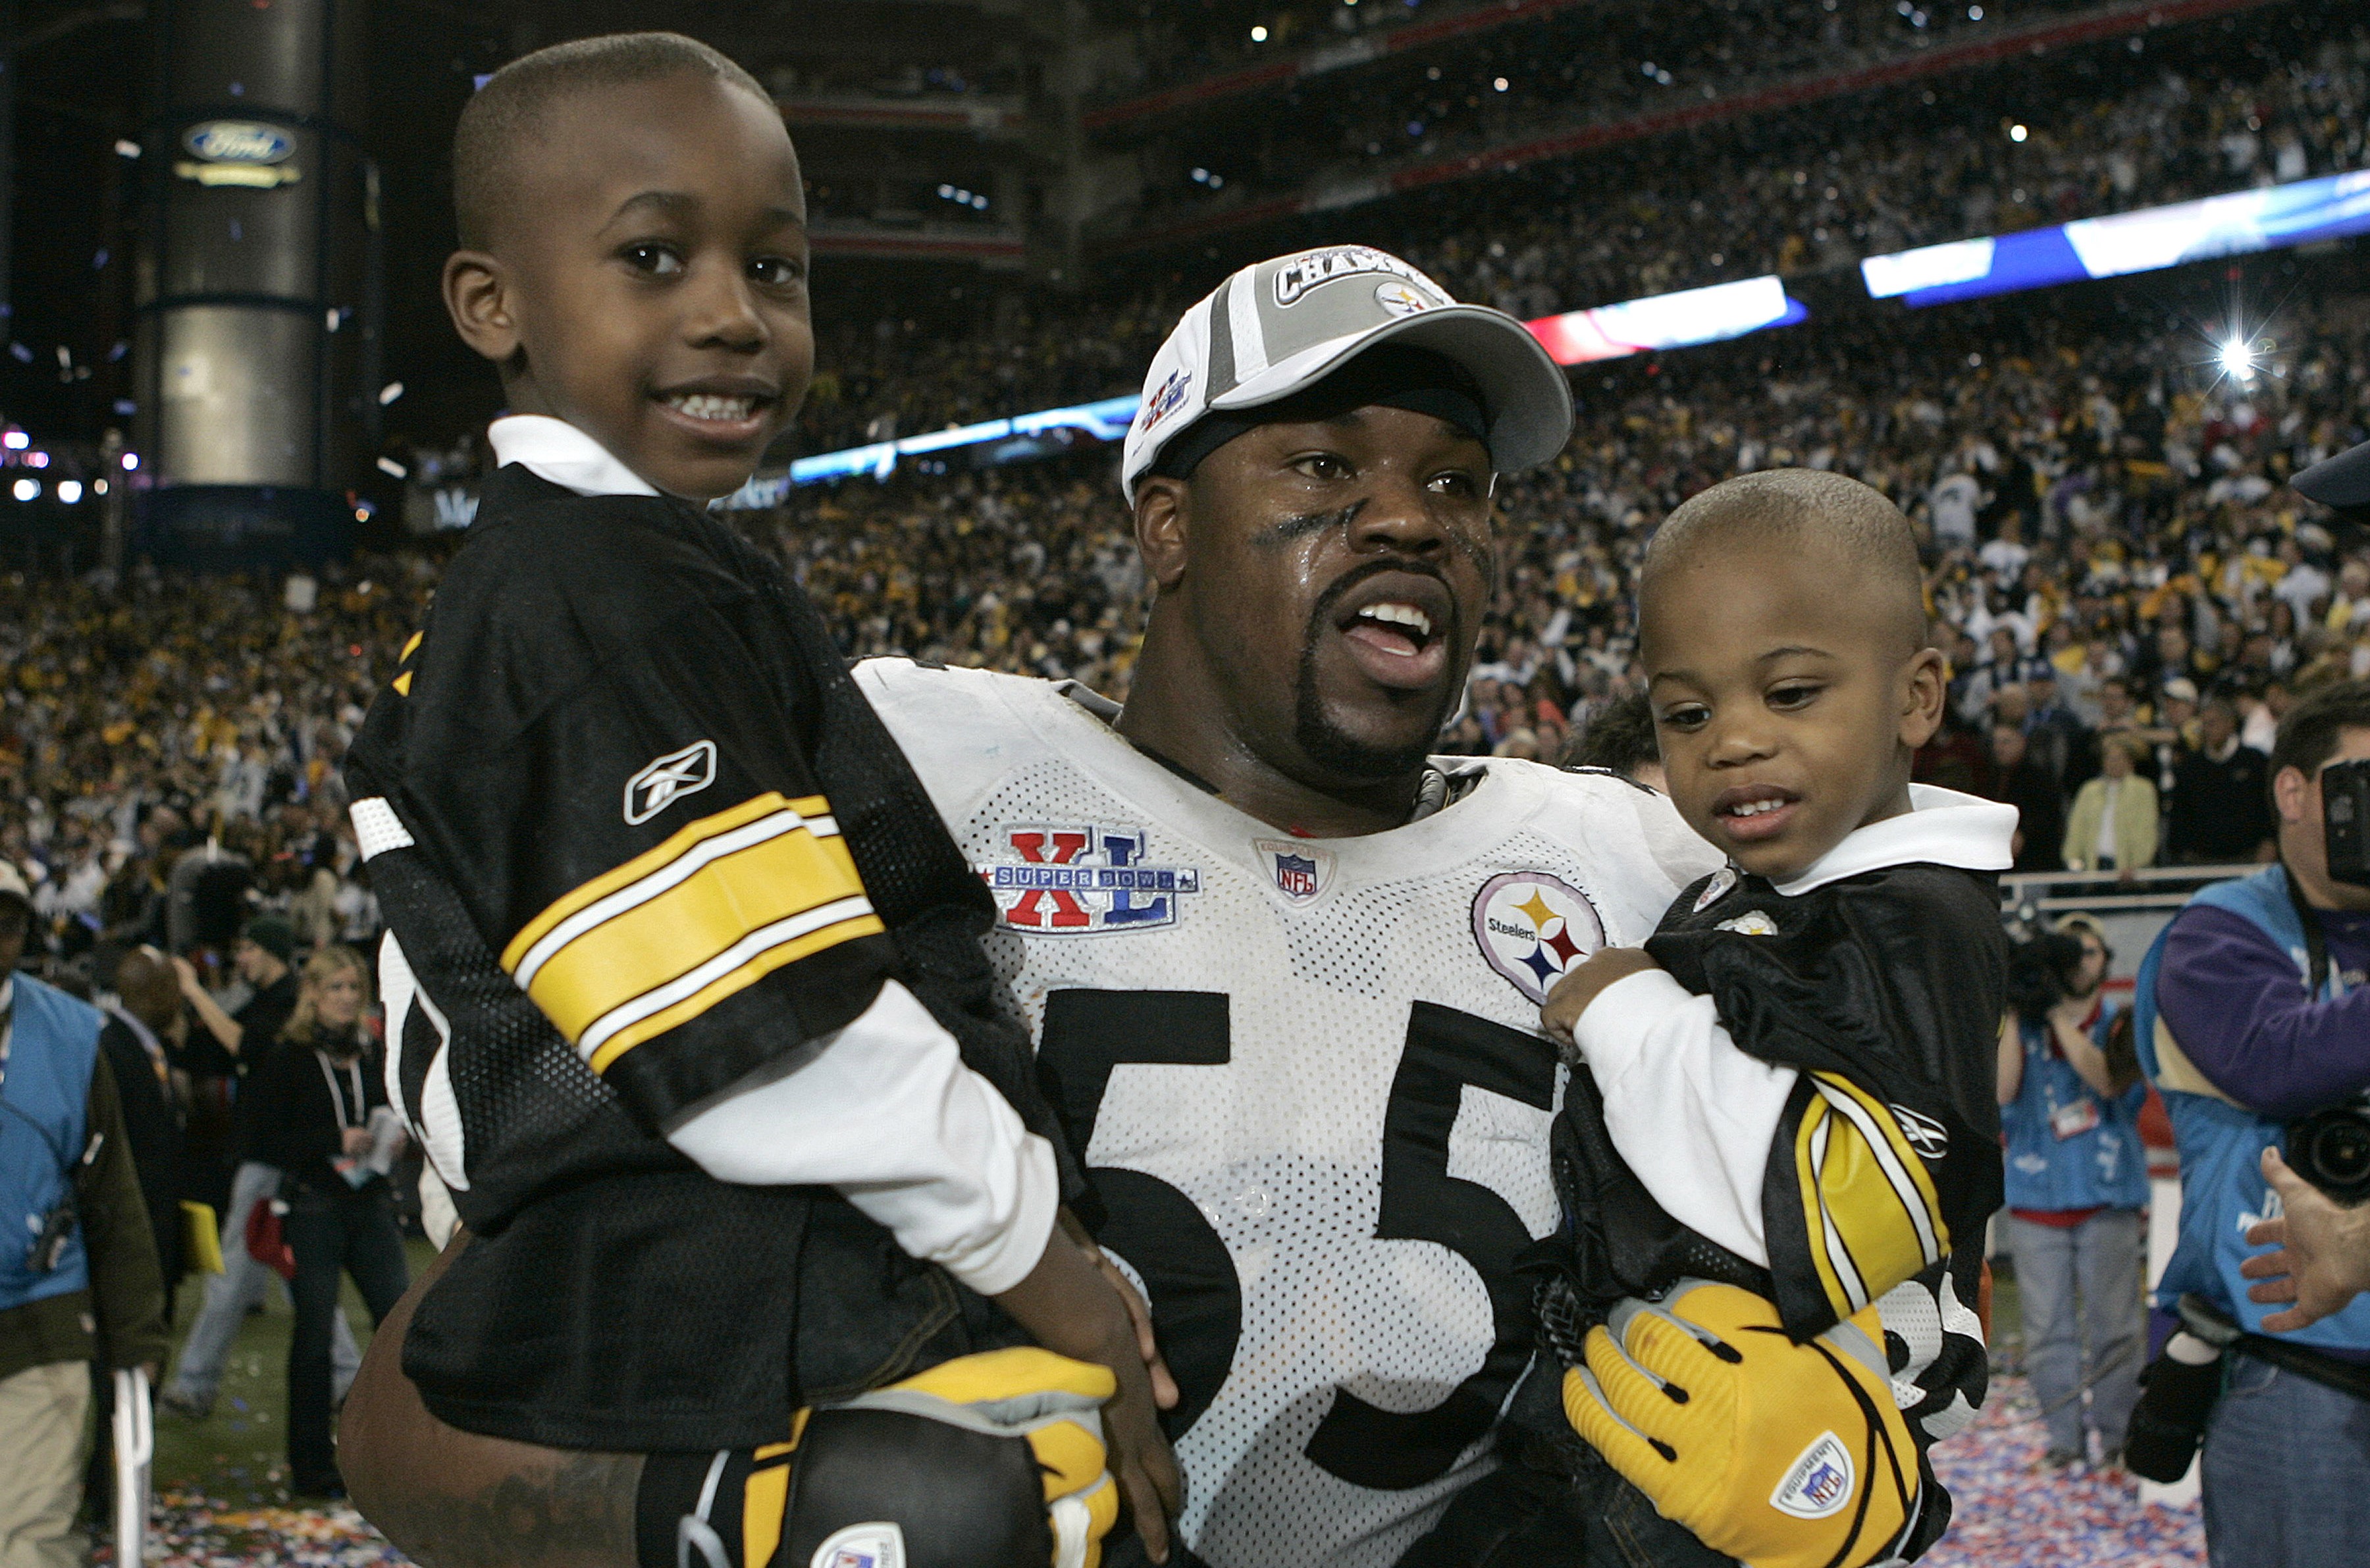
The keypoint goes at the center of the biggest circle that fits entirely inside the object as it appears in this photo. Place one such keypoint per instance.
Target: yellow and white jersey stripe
(655, 942)
(1868, 1202)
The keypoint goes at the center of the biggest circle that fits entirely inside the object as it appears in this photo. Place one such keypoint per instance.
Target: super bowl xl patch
(1066, 878)
(1533, 927)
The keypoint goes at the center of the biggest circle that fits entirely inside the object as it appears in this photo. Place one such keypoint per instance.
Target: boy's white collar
(1941, 827)
(555, 450)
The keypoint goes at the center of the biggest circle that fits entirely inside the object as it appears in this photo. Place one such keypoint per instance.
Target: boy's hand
(1581, 985)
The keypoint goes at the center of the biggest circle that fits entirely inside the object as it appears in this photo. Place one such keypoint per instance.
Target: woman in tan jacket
(2114, 824)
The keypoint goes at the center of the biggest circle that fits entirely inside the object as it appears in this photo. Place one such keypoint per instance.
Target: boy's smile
(647, 282)
(1785, 697)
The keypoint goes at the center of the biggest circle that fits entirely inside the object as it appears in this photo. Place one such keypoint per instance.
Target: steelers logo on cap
(1400, 298)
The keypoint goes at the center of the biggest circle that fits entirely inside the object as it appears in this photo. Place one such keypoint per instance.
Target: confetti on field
(2010, 1514)
(189, 1531)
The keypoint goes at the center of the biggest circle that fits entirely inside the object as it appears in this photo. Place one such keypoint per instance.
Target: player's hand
(1581, 983)
(1784, 1455)
(187, 974)
(1069, 1306)
(2323, 1260)
(1139, 1312)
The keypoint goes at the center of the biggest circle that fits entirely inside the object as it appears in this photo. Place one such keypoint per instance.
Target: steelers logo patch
(1533, 927)
(1401, 299)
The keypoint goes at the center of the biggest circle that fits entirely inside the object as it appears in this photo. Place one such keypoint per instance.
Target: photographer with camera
(2077, 1190)
(2253, 1015)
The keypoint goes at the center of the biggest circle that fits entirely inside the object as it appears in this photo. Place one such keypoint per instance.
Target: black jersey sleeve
(1884, 991)
(606, 752)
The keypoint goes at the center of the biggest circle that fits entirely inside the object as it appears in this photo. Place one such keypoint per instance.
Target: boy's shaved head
(1798, 511)
(506, 115)
(1782, 623)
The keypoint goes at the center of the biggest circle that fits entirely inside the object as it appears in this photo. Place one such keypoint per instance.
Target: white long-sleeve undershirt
(1691, 1113)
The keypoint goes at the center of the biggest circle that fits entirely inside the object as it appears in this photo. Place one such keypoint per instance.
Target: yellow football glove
(1784, 1455)
(1053, 1401)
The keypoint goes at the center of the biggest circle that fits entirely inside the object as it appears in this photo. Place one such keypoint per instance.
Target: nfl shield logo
(1295, 875)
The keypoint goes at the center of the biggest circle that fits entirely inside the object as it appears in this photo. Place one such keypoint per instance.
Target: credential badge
(668, 779)
(1533, 927)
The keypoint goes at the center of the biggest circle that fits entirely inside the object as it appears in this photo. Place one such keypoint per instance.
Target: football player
(1283, 968)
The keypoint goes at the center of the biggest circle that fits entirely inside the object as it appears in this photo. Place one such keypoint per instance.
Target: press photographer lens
(2332, 1150)
(2345, 817)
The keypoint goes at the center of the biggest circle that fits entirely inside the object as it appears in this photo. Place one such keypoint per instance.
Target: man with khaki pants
(78, 1276)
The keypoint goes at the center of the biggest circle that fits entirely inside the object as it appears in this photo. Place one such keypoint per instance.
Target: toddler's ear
(1923, 690)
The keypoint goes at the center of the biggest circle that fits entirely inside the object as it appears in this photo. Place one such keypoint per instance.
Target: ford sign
(238, 142)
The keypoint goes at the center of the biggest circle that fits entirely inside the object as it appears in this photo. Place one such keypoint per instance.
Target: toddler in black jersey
(1787, 1112)
(685, 1000)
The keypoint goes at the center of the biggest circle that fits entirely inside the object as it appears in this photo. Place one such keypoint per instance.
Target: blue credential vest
(52, 1052)
(2105, 1167)
(2222, 1188)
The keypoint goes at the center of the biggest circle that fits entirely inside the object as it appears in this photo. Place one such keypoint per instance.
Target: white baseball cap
(1281, 326)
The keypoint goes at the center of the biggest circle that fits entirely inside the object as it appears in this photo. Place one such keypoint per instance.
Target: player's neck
(1171, 717)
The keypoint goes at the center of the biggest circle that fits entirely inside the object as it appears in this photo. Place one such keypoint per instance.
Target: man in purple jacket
(2253, 1012)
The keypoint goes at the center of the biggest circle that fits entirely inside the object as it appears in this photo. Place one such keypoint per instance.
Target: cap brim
(2341, 481)
(1523, 389)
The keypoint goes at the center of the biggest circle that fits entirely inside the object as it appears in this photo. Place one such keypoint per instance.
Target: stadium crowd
(2108, 131)
(1723, 39)
(2116, 567)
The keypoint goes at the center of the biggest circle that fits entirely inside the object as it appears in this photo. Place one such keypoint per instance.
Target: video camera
(2345, 819)
(2330, 1148)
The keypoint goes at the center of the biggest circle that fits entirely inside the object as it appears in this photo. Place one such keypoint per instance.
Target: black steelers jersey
(1884, 991)
(637, 836)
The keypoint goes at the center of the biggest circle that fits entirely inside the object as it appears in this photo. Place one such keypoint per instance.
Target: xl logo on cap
(1296, 277)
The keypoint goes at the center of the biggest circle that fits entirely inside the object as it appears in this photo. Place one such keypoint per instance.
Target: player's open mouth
(730, 412)
(1751, 812)
(1396, 630)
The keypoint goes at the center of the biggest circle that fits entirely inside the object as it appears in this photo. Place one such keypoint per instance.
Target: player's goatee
(1325, 742)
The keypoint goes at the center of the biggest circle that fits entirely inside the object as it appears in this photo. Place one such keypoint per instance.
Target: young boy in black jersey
(1788, 1111)
(684, 994)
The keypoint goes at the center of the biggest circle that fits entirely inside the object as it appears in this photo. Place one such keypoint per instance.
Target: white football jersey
(1308, 1080)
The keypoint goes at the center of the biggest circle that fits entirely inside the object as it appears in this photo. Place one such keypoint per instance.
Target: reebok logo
(668, 779)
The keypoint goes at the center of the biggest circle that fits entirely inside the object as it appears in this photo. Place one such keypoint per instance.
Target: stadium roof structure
(1322, 195)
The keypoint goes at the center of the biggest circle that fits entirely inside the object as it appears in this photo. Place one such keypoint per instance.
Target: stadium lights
(131, 461)
(393, 469)
(27, 489)
(15, 440)
(1259, 35)
(2016, 132)
(37, 459)
(2270, 217)
(2238, 359)
(70, 491)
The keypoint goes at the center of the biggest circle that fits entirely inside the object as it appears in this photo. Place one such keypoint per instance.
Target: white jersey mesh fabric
(1315, 1097)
